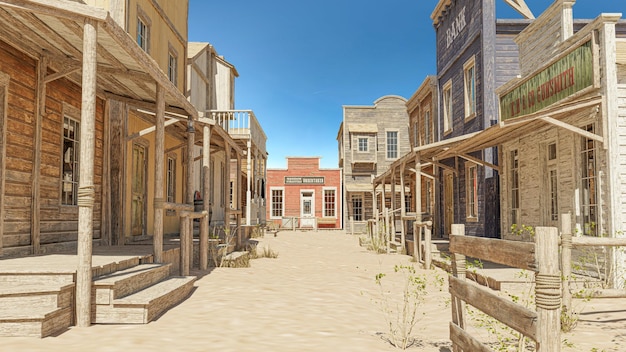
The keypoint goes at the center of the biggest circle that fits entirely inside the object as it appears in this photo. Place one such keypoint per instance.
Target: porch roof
(54, 29)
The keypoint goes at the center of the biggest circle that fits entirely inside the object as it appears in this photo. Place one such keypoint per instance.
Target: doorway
(138, 191)
(307, 209)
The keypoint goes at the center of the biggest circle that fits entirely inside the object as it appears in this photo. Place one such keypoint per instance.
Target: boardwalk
(318, 295)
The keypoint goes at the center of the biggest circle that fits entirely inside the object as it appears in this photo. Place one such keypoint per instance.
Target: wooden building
(304, 195)
(475, 54)
(561, 129)
(370, 139)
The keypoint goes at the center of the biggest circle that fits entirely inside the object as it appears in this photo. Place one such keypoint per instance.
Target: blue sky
(299, 62)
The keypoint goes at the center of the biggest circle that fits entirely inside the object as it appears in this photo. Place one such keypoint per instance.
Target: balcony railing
(240, 124)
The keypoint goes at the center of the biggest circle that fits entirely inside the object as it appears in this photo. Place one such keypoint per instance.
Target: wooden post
(416, 247)
(184, 245)
(248, 183)
(566, 259)
(392, 216)
(458, 271)
(237, 198)
(374, 226)
(387, 232)
(427, 246)
(86, 189)
(227, 189)
(35, 219)
(548, 290)
(191, 142)
(417, 236)
(402, 208)
(206, 197)
(159, 140)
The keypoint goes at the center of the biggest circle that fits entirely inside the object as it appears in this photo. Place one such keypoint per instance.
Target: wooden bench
(325, 221)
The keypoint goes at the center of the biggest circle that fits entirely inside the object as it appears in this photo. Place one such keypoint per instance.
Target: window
(171, 180)
(142, 34)
(429, 196)
(427, 124)
(416, 132)
(469, 79)
(471, 178)
(515, 195)
(172, 66)
(554, 199)
(447, 107)
(71, 148)
(392, 144)
(277, 208)
(363, 144)
(329, 203)
(357, 207)
(589, 206)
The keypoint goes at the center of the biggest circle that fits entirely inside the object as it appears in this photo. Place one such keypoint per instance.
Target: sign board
(303, 180)
(566, 76)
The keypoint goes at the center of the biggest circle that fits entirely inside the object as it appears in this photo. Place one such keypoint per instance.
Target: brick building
(304, 195)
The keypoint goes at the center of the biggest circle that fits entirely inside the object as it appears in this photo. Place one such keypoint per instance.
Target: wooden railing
(240, 123)
(542, 324)
(187, 215)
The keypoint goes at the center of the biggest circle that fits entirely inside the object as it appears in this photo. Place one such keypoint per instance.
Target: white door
(307, 209)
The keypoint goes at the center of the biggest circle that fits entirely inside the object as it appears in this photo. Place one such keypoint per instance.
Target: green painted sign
(570, 74)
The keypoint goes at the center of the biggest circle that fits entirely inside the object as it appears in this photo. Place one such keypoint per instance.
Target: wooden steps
(138, 295)
(35, 305)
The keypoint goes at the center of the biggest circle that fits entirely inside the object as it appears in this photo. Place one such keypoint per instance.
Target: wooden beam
(150, 129)
(479, 161)
(58, 8)
(61, 74)
(503, 309)
(510, 253)
(86, 189)
(572, 128)
(521, 7)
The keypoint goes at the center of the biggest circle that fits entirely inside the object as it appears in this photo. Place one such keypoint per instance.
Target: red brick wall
(304, 167)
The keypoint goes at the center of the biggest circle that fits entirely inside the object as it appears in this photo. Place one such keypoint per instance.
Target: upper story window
(416, 133)
(70, 157)
(447, 107)
(427, 128)
(469, 79)
(172, 65)
(363, 145)
(392, 144)
(143, 30)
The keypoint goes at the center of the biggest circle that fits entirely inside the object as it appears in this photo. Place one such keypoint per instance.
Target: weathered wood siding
(540, 41)
(621, 103)
(59, 224)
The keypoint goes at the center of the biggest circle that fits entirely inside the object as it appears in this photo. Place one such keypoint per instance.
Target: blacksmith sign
(303, 180)
(565, 77)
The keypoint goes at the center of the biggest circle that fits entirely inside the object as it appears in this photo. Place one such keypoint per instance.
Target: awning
(54, 29)
(363, 128)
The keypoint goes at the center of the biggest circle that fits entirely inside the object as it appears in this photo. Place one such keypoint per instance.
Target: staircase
(41, 305)
(36, 305)
(139, 294)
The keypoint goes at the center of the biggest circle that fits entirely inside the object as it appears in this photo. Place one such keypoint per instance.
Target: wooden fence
(422, 242)
(542, 324)
(567, 243)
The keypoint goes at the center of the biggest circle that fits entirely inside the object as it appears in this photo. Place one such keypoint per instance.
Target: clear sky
(299, 62)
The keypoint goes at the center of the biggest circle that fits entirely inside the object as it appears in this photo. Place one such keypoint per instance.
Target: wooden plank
(4, 82)
(511, 253)
(513, 315)
(585, 241)
(465, 341)
(40, 103)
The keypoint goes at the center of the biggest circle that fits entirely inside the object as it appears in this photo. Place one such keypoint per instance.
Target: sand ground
(319, 294)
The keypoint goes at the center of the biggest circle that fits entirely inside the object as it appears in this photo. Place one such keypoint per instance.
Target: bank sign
(303, 180)
(568, 75)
